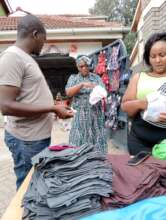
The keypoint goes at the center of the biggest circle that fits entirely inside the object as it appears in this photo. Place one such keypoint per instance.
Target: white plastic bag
(156, 105)
(97, 94)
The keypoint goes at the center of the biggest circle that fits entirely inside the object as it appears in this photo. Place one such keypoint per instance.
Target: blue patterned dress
(88, 122)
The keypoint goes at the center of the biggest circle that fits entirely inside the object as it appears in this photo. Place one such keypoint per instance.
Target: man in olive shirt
(25, 97)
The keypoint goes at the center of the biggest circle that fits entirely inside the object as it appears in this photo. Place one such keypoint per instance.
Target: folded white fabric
(97, 94)
(156, 105)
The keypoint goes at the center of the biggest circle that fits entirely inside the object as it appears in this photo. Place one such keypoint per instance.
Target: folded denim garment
(67, 184)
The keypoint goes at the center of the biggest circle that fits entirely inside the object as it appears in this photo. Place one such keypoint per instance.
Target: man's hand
(63, 111)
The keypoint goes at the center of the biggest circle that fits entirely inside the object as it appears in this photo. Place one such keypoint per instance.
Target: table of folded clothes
(70, 182)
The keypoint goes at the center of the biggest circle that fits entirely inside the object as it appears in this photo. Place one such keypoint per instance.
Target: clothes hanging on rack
(114, 84)
(106, 81)
(100, 68)
(111, 113)
(112, 64)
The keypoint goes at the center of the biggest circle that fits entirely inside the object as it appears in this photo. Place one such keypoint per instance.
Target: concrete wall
(144, 3)
(73, 48)
(152, 20)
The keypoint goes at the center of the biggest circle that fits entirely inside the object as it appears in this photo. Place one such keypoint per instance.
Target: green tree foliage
(102, 7)
(2, 12)
(129, 41)
(118, 10)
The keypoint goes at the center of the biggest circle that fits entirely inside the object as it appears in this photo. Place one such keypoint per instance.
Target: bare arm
(72, 91)
(130, 103)
(9, 105)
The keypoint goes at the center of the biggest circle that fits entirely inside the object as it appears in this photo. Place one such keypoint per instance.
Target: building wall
(152, 20)
(144, 3)
(72, 48)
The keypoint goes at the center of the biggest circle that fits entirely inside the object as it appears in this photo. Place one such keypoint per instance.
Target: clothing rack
(118, 134)
(119, 41)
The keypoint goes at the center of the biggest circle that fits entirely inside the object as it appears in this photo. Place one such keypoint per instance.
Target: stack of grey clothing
(67, 184)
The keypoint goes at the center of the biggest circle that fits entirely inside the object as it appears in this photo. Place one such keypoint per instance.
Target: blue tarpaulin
(148, 209)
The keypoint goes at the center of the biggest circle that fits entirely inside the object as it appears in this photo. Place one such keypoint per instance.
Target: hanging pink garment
(60, 147)
(101, 66)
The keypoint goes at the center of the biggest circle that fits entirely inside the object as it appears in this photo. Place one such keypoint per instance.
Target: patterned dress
(88, 122)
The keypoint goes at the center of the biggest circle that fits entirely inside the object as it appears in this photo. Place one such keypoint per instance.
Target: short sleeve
(72, 81)
(11, 70)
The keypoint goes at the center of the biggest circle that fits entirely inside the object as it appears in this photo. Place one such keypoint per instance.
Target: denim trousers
(22, 152)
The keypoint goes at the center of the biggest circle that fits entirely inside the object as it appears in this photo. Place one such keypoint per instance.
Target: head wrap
(84, 58)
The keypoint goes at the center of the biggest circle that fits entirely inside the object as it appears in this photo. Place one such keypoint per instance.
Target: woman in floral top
(88, 122)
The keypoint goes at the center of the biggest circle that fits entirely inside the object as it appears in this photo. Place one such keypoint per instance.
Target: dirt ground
(7, 177)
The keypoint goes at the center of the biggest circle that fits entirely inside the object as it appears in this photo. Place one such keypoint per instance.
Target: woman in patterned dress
(88, 122)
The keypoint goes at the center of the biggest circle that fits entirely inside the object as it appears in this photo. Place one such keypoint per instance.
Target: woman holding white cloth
(144, 133)
(88, 122)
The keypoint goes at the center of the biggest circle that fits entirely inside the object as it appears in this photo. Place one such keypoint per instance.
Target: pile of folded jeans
(134, 183)
(67, 184)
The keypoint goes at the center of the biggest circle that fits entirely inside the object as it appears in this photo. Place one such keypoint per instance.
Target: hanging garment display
(114, 81)
(106, 81)
(115, 60)
(100, 68)
(111, 113)
(113, 63)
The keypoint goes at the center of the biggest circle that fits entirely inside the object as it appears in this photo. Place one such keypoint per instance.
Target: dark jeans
(22, 152)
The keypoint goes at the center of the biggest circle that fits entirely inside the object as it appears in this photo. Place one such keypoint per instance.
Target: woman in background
(145, 134)
(88, 122)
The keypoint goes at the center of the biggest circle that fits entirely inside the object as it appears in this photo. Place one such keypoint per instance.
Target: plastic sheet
(148, 209)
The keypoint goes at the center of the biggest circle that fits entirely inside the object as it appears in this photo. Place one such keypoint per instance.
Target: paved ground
(7, 177)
